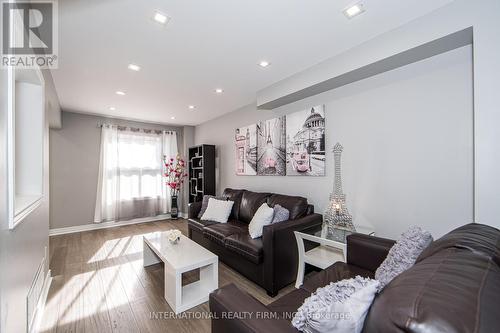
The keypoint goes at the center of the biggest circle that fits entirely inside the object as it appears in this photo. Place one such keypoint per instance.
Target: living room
(250, 167)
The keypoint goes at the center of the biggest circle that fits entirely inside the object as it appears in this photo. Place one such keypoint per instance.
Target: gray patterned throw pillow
(403, 254)
(280, 214)
(204, 203)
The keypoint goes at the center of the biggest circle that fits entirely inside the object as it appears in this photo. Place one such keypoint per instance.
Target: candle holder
(174, 236)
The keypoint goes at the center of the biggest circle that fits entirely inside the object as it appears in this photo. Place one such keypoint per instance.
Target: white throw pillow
(339, 307)
(218, 210)
(263, 216)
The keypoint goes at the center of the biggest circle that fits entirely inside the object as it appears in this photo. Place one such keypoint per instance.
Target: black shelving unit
(201, 168)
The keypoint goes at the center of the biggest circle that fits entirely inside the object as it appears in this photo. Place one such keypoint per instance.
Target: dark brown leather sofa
(269, 261)
(453, 287)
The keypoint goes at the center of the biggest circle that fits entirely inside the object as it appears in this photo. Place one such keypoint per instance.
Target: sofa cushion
(234, 195)
(243, 244)
(296, 205)
(454, 290)
(198, 225)
(336, 272)
(219, 231)
(250, 202)
(478, 238)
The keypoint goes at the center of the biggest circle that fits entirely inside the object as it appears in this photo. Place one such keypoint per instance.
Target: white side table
(326, 254)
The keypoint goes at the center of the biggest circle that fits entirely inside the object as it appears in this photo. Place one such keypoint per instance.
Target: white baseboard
(105, 225)
(40, 308)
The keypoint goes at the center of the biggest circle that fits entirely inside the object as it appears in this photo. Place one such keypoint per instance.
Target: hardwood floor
(99, 284)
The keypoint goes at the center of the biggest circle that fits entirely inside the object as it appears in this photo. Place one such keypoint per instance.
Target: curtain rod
(136, 129)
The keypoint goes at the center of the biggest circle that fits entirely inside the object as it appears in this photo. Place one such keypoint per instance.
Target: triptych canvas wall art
(291, 145)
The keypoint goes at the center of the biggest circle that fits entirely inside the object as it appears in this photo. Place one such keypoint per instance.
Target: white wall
(483, 17)
(52, 102)
(408, 156)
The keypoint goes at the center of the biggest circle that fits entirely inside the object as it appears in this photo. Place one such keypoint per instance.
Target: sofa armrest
(280, 250)
(233, 310)
(194, 209)
(300, 224)
(367, 252)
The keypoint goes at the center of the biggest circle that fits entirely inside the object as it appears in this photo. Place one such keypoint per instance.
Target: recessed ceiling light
(121, 93)
(264, 63)
(219, 91)
(134, 67)
(173, 118)
(160, 17)
(354, 10)
(191, 107)
(112, 108)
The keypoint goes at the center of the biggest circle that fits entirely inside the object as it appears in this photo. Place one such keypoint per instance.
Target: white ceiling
(206, 45)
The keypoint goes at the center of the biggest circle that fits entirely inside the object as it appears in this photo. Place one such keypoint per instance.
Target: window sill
(25, 205)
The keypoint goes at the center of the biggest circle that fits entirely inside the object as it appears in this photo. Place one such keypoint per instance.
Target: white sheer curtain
(131, 183)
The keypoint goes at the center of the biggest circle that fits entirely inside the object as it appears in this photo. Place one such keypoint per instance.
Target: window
(26, 123)
(140, 165)
(131, 182)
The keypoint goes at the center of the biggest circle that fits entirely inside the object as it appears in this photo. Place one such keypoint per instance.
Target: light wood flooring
(99, 284)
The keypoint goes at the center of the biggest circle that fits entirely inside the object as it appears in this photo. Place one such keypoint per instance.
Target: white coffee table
(179, 258)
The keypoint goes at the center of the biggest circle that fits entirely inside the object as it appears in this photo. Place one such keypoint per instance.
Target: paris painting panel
(271, 147)
(305, 148)
(246, 150)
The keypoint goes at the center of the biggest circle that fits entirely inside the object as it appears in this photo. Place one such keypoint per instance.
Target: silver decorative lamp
(337, 219)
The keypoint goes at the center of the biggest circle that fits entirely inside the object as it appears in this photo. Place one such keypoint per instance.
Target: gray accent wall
(74, 158)
(408, 146)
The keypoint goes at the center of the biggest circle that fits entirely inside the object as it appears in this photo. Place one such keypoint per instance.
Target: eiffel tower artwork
(337, 218)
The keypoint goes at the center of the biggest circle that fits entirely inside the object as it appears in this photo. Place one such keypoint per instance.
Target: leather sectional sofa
(453, 287)
(269, 261)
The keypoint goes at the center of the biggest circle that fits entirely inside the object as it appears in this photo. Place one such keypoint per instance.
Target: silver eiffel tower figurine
(337, 218)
